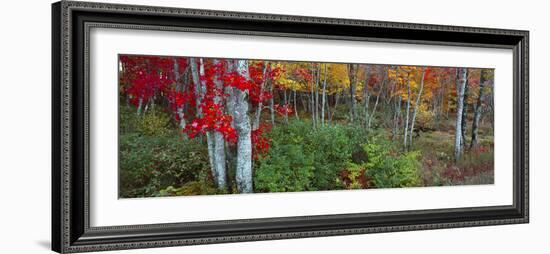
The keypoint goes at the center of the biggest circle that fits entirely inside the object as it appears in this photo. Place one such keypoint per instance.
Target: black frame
(71, 22)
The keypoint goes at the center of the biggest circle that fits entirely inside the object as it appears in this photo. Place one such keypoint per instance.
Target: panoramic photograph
(207, 126)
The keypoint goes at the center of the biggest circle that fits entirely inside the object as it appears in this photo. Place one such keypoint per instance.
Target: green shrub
(391, 171)
(128, 119)
(331, 147)
(303, 158)
(154, 123)
(287, 168)
(150, 164)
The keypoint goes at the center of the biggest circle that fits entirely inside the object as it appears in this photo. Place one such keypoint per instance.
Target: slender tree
(417, 104)
(460, 87)
(366, 94)
(324, 96)
(407, 111)
(380, 90)
(179, 109)
(242, 125)
(260, 102)
(478, 108)
(352, 72)
(218, 149)
(465, 113)
(210, 133)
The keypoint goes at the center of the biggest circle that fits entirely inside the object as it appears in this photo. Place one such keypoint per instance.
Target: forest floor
(438, 164)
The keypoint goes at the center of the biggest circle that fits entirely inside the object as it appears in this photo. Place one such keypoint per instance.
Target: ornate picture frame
(71, 24)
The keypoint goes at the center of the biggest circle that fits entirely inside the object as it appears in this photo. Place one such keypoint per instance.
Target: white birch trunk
(317, 80)
(196, 82)
(218, 150)
(407, 113)
(366, 94)
(352, 83)
(200, 85)
(324, 97)
(382, 85)
(478, 111)
(417, 103)
(140, 105)
(244, 142)
(260, 104)
(179, 110)
(272, 104)
(460, 87)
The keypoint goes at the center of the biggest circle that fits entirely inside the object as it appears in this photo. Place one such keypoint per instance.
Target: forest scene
(204, 126)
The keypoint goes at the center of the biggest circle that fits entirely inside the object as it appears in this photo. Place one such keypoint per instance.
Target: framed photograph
(181, 126)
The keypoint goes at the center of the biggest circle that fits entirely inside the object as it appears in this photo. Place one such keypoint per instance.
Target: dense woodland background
(192, 126)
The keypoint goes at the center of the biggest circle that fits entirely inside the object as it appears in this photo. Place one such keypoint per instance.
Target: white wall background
(25, 126)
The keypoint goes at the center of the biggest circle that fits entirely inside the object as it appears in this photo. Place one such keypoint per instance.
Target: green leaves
(287, 168)
(302, 158)
(390, 170)
(149, 164)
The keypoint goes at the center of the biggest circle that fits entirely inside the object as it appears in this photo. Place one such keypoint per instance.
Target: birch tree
(405, 139)
(460, 87)
(417, 103)
(242, 125)
(380, 90)
(209, 134)
(219, 141)
(323, 97)
(464, 113)
(260, 103)
(478, 108)
(179, 109)
(366, 95)
(352, 72)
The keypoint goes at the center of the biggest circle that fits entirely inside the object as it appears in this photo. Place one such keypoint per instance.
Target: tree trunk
(295, 109)
(478, 110)
(318, 79)
(366, 94)
(336, 102)
(460, 86)
(352, 68)
(312, 100)
(140, 105)
(464, 115)
(405, 146)
(285, 99)
(242, 125)
(272, 104)
(219, 141)
(417, 103)
(260, 104)
(210, 140)
(179, 110)
(382, 85)
(196, 82)
(324, 97)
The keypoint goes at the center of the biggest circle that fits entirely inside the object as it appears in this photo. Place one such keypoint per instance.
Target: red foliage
(283, 109)
(362, 179)
(143, 77)
(260, 141)
(213, 117)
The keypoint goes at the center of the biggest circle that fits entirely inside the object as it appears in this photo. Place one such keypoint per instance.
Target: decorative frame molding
(71, 22)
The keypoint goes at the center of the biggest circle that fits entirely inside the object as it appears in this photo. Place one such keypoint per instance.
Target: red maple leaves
(145, 78)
